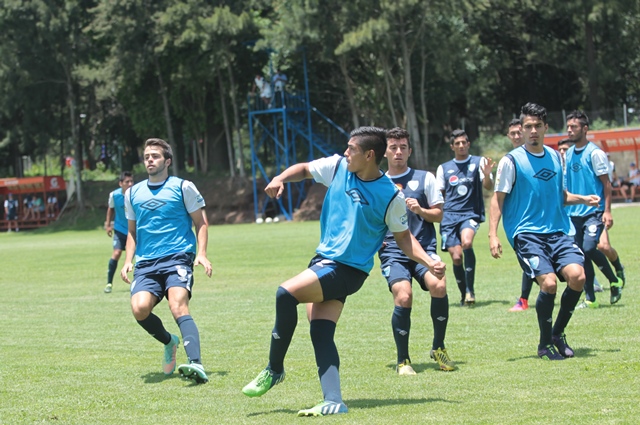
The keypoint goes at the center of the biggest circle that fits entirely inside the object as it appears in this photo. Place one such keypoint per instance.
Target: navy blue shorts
(119, 240)
(336, 279)
(588, 229)
(450, 234)
(395, 269)
(542, 254)
(157, 276)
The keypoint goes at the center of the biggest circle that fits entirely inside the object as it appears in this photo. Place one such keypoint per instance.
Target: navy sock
(616, 264)
(544, 308)
(111, 271)
(286, 322)
(190, 338)
(458, 272)
(568, 302)
(327, 359)
(153, 325)
(526, 285)
(439, 317)
(589, 274)
(603, 264)
(401, 326)
(470, 268)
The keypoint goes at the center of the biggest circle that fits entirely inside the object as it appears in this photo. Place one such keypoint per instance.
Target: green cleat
(324, 408)
(263, 383)
(108, 288)
(440, 355)
(193, 371)
(169, 359)
(616, 291)
(588, 304)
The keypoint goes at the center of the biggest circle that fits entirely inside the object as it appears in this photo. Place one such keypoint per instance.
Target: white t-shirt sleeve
(396, 218)
(111, 203)
(440, 178)
(600, 162)
(432, 190)
(193, 200)
(324, 169)
(128, 209)
(505, 176)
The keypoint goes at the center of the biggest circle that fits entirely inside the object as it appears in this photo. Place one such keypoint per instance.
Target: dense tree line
(78, 75)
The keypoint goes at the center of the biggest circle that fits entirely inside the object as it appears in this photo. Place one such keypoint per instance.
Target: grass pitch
(71, 354)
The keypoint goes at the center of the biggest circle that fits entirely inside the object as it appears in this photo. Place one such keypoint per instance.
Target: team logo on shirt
(357, 196)
(462, 190)
(153, 204)
(545, 174)
(453, 180)
(413, 184)
(472, 167)
(576, 167)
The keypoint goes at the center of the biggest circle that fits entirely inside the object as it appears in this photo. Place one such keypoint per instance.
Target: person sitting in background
(631, 182)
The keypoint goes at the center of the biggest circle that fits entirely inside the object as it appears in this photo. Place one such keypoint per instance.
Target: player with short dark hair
(538, 228)
(424, 208)
(360, 206)
(161, 212)
(120, 226)
(461, 181)
(588, 172)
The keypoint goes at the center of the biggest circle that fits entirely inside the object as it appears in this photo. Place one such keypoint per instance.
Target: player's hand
(607, 219)
(413, 205)
(275, 188)
(592, 200)
(488, 166)
(126, 269)
(202, 260)
(495, 246)
(438, 269)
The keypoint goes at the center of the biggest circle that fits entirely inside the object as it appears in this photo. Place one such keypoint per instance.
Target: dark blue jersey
(462, 187)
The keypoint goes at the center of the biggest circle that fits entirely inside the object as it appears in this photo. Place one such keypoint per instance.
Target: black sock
(458, 272)
(439, 317)
(190, 338)
(544, 308)
(111, 271)
(153, 325)
(568, 302)
(401, 326)
(327, 359)
(617, 265)
(525, 286)
(286, 322)
(470, 268)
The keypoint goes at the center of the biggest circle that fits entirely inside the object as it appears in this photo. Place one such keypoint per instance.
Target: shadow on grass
(157, 377)
(485, 303)
(579, 353)
(366, 403)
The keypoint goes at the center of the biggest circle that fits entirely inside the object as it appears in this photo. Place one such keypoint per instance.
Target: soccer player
(461, 181)
(11, 212)
(424, 203)
(361, 204)
(120, 226)
(588, 172)
(161, 211)
(538, 227)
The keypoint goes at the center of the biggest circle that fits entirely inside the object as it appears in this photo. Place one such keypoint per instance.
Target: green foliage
(74, 355)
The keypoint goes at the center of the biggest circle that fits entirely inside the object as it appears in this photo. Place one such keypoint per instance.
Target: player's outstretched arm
(295, 173)
(201, 224)
(495, 211)
(412, 249)
(107, 222)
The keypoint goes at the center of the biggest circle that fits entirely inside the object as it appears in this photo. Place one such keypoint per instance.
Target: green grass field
(71, 354)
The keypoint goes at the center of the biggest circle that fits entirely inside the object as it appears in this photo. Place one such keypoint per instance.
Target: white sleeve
(111, 203)
(505, 176)
(128, 209)
(192, 198)
(396, 217)
(600, 162)
(432, 190)
(440, 178)
(324, 169)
